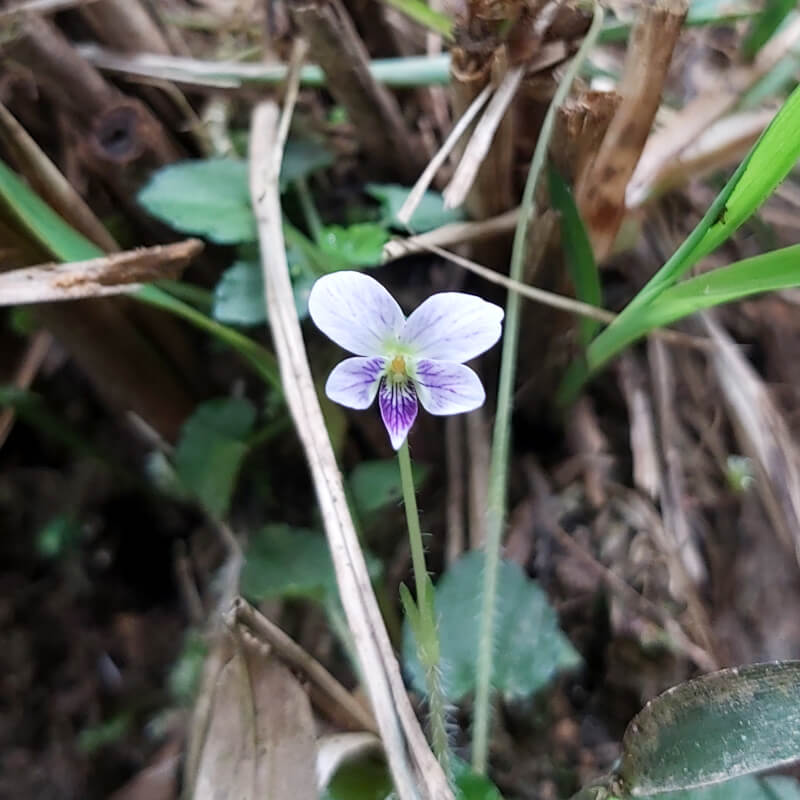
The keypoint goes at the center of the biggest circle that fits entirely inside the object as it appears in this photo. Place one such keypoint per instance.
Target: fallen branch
(400, 730)
(118, 273)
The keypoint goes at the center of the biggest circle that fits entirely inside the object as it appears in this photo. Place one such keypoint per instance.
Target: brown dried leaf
(259, 737)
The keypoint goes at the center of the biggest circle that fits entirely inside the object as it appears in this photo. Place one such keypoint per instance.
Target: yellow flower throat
(397, 368)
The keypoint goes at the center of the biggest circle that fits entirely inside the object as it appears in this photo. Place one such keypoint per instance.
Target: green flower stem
(412, 520)
(496, 495)
(422, 617)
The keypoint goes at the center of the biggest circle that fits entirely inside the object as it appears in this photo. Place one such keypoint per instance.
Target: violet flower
(403, 360)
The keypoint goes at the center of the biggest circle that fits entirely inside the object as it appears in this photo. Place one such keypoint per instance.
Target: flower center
(397, 371)
(398, 365)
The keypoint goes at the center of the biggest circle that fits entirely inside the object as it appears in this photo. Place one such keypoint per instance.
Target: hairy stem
(423, 618)
(496, 502)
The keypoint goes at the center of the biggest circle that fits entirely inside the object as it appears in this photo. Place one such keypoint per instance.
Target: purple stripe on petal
(398, 403)
(452, 326)
(447, 388)
(354, 382)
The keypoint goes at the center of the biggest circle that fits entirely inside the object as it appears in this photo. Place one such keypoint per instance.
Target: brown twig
(50, 183)
(600, 192)
(326, 692)
(118, 273)
(35, 354)
(371, 108)
(399, 728)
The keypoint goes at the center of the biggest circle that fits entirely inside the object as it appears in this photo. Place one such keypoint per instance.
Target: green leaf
(376, 484)
(211, 448)
(366, 779)
(282, 561)
(209, 197)
(359, 245)
(426, 16)
(301, 158)
(430, 213)
(765, 24)
(59, 536)
(527, 633)
(779, 269)
(767, 164)
(66, 244)
(577, 251)
(746, 788)
(369, 779)
(239, 295)
(719, 726)
(47, 227)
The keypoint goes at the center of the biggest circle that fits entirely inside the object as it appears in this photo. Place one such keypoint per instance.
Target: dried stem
(372, 109)
(327, 692)
(600, 192)
(502, 427)
(118, 273)
(395, 718)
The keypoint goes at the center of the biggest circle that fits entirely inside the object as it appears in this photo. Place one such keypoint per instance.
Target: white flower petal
(398, 403)
(452, 326)
(447, 388)
(354, 382)
(355, 311)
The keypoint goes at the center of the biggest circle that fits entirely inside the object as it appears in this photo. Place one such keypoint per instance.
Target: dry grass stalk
(672, 493)
(481, 140)
(600, 191)
(697, 116)
(118, 273)
(372, 109)
(48, 181)
(590, 444)
(227, 74)
(674, 537)
(424, 181)
(326, 691)
(41, 7)
(644, 449)
(558, 301)
(452, 234)
(397, 723)
(126, 25)
(35, 354)
(724, 143)
(763, 434)
(491, 193)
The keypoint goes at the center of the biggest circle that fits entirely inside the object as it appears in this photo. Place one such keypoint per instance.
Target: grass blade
(64, 243)
(764, 25)
(767, 164)
(422, 13)
(779, 269)
(577, 251)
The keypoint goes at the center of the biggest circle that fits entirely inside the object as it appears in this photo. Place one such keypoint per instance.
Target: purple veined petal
(398, 403)
(355, 311)
(447, 388)
(354, 381)
(452, 326)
